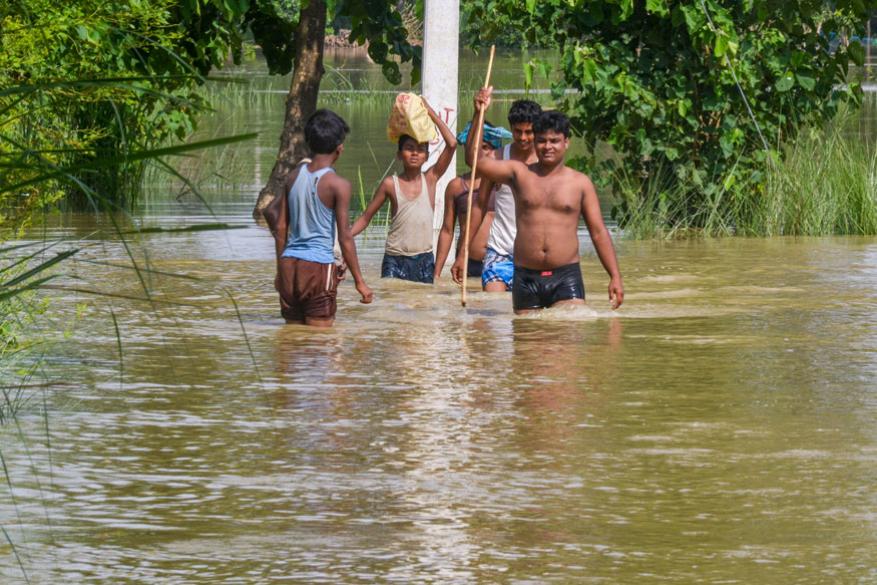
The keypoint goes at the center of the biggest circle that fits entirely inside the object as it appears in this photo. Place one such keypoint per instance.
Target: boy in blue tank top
(317, 202)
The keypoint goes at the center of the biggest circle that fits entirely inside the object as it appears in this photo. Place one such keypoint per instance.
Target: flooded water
(720, 428)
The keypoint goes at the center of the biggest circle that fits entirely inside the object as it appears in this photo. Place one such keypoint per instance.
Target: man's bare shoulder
(577, 178)
(575, 175)
(456, 185)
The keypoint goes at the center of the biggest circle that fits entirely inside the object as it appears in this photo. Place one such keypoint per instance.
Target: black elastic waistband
(566, 269)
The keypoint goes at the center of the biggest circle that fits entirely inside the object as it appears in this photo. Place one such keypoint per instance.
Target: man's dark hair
(552, 120)
(405, 138)
(524, 111)
(325, 131)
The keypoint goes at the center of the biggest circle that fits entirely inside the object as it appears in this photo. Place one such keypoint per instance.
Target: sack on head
(410, 117)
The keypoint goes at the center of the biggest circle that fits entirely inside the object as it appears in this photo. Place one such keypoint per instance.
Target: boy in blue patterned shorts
(499, 266)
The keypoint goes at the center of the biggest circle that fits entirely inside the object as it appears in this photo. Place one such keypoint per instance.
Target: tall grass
(825, 183)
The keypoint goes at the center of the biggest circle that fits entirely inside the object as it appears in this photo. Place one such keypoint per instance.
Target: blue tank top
(311, 223)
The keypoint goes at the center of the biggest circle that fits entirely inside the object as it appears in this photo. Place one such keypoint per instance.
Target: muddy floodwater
(721, 427)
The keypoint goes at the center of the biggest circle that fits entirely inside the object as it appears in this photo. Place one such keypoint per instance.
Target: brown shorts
(307, 289)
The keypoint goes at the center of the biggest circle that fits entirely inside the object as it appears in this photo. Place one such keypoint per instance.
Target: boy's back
(311, 220)
(315, 206)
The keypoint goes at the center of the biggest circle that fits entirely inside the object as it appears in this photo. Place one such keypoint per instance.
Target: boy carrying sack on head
(408, 254)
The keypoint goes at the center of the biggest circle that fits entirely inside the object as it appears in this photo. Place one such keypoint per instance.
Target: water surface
(719, 428)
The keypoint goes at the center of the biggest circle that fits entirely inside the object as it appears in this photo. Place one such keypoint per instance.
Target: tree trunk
(301, 102)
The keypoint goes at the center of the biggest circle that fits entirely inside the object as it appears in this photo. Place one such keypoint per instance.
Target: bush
(695, 97)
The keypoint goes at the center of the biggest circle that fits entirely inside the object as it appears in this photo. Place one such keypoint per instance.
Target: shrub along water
(705, 91)
(825, 184)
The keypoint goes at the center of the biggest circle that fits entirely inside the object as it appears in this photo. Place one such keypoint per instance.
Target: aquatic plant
(32, 178)
(827, 184)
(116, 78)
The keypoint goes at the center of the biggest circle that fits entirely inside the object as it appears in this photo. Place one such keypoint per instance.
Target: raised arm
(446, 155)
(602, 241)
(479, 213)
(496, 171)
(342, 190)
(380, 197)
(480, 209)
(446, 235)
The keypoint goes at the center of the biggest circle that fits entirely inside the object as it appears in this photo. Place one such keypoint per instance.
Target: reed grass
(825, 183)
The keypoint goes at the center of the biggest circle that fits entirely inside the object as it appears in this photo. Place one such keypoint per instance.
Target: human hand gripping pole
(478, 132)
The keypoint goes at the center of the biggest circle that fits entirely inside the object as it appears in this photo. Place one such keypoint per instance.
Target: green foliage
(79, 82)
(378, 22)
(827, 184)
(703, 93)
(137, 65)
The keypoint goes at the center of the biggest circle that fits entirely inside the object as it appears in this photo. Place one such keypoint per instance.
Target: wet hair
(524, 111)
(325, 131)
(552, 120)
(405, 138)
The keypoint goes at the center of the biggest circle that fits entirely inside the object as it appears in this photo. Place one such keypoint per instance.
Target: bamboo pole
(478, 133)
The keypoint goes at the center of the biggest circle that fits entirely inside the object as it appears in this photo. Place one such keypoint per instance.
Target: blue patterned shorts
(497, 268)
(417, 268)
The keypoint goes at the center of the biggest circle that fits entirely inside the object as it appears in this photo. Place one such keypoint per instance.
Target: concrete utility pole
(441, 55)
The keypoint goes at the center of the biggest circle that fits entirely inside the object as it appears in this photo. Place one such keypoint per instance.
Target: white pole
(441, 32)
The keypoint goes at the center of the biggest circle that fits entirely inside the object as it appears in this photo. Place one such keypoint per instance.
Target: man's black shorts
(538, 289)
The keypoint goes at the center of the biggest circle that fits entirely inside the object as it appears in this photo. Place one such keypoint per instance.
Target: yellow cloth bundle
(409, 116)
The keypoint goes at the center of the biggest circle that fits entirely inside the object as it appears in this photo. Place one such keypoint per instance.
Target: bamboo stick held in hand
(478, 133)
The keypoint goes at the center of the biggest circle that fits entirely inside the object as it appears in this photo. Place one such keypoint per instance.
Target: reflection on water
(719, 428)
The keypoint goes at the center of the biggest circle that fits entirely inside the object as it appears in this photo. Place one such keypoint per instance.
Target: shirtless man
(549, 200)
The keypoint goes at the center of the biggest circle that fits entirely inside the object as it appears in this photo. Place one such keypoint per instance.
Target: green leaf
(806, 81)
(721, 45)
(378, 50)
(786, 82)
(391, 71)
(658, 7)
(856, 53)
(531, 6)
